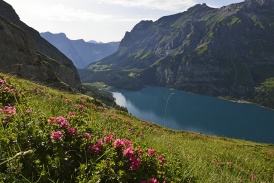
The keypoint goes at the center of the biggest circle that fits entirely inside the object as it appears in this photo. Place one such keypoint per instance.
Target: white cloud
(170, 5)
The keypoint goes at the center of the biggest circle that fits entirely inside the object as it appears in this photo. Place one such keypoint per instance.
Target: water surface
(209, 115)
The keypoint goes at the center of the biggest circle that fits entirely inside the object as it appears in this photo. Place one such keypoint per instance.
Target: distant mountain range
(212, 51)
(80, 52)
(25, 53)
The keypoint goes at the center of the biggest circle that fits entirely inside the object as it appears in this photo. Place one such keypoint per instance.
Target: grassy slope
(190, 157)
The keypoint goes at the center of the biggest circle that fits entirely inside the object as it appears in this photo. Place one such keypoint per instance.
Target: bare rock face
(50, 57)
(19, 56)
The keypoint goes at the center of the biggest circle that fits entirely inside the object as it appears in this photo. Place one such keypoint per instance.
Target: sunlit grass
(190, 157)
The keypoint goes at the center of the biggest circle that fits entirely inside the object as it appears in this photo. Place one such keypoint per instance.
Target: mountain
(26, 53)
(80, 52)
(211, 51)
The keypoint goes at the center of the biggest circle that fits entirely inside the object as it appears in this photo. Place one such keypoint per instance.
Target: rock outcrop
(212, 51)
(37, 50)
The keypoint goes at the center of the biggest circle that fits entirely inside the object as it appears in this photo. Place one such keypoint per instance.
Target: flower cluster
(60, 120)
(8, 113)
(8, 94)
(56, 135)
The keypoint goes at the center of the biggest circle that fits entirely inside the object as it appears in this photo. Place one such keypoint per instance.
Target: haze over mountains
(212, 51)
(80, 52)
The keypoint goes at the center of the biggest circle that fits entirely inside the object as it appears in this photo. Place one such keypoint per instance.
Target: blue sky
(100, 20)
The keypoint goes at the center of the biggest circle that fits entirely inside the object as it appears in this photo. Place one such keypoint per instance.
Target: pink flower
(253, 176)
(153, 180)
(1, 111)
(127, 142)
(10, 110)
(72, 131)
(61, 119)
(28, 111)
(118, 143)
(151, 151)
(52, 120)
(71, 114)
(68, 100)
(81, 106)
(140, 152)
(162, 159)
(4, 120)
(100, 142)
(128, 151)
(87, 136)
(64, 124)
(95, 148)
(135, 163)
(229, 163)
(56, 135)
(111, 134)
(108, 139)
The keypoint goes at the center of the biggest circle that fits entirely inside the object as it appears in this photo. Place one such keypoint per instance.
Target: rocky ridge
(211, 51)
(35, 58)
(80, 52)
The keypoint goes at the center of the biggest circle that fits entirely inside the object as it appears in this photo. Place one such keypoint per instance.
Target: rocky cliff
(212, 51)
(37, 50)
(80, 52)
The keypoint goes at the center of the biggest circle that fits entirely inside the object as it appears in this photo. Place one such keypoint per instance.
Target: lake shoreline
(186, 111)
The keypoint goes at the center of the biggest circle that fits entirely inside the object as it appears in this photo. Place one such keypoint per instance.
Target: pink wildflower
(56, 135)
(87, 136)
(111, 134)
(118, 143)
(151, 151)
(68, 100)
(2, 81)
(4, 120)
(81, 106)
(135, 163)
(71, 114)
(95, 148)
(10, 110)
(153, 180)
(128, 151)
(140, 152)
(63, 122)
(52, 120)
(229, 163)
(1, 110)
(28, 111)
(162, 159)
(100, 142)
(253, 176)
(127, 142)
(108, 139)
(72, 131)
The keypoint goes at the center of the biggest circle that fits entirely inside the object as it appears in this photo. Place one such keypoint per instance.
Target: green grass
(234, 20)
(28, 154)
(202, 49)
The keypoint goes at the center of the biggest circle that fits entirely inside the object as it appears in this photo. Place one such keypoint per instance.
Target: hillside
(29, 55)
(52, 136)
(225, 51)
(80, 52)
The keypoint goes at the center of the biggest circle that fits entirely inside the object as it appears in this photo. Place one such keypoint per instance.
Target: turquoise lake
(203, 114)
